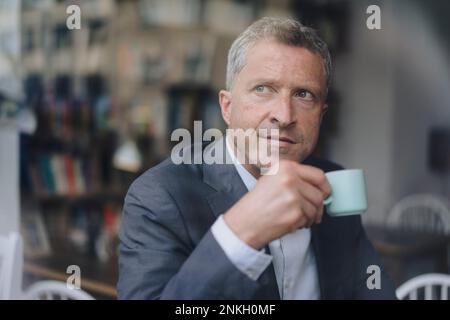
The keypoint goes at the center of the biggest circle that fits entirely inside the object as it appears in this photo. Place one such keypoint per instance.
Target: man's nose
(283, 113)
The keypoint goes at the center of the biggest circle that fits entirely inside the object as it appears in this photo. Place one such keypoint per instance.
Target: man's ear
(225, 105)
(324, 110)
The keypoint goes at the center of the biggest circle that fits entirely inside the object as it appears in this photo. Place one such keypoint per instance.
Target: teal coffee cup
(348, 193)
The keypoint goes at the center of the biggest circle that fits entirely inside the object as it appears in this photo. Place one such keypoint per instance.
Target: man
(224, 231)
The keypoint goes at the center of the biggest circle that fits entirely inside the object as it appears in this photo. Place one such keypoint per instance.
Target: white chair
(421, 212)
(11, 262)
(411, 288)
(54, 290)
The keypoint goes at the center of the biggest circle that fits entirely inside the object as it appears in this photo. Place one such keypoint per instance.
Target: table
(405, 253)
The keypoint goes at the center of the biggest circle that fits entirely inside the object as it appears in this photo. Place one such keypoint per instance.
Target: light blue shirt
(292, 256)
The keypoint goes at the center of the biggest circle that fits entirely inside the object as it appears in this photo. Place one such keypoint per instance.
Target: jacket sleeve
(158, 261)
(369, 267)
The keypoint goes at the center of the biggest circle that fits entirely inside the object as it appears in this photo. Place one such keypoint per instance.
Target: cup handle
(328, 200)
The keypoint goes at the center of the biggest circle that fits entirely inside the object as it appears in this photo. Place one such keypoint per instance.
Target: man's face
(280, 87)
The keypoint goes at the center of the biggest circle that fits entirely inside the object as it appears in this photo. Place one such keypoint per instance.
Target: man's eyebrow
(260, 81)
(313, 89)
(305, 86)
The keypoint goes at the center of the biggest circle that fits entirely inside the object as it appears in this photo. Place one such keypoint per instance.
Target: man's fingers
(319, 215)
(310, 211)
(314, 176)
(311, 192)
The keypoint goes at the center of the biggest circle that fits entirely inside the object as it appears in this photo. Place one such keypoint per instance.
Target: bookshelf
(133, 76)
(135, 71)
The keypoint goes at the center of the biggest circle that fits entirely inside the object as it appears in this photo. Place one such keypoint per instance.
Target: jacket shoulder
(167, 174)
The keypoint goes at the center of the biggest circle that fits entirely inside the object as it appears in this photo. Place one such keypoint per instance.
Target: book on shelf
(69, 172)
(47, 177)
(107, 242)
(59, 175)
(81, 228)
(93, 230)
(79, 178)
(35, 235)
(62, 174)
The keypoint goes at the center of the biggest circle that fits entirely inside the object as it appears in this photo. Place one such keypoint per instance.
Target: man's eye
(261, 89)
(304, 94)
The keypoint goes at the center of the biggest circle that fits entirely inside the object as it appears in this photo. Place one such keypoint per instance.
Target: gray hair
(284, 30)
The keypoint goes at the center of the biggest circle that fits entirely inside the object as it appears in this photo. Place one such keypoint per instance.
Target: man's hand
(279, 204)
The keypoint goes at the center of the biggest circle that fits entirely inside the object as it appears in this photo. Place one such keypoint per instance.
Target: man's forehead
(272, 45)
(270, 57)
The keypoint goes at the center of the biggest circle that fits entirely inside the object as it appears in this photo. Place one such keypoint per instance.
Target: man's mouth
(286, 139)
(283, 140)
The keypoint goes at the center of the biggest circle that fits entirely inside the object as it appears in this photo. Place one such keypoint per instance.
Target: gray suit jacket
(167, 250)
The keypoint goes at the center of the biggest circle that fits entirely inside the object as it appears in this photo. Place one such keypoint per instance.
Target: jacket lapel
(224, 179)
(315, 239)
(229, 188)
(334, 280)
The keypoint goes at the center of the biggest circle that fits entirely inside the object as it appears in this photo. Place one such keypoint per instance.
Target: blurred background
(83, 112)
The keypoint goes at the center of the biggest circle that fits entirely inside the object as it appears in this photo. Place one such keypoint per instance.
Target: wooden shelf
(86, 284)
(96, 277)
(94, 196)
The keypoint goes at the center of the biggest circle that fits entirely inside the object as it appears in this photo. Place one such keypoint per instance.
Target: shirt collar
(248, 179)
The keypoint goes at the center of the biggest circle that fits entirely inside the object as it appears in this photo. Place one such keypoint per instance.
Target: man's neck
(252, 169)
